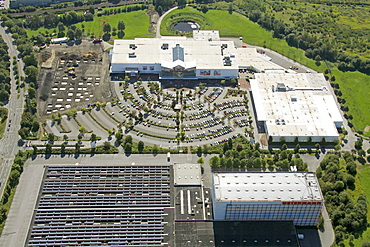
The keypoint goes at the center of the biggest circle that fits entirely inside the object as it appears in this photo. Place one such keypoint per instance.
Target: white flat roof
(266, 186)
(206, 35)
(203, 54)
(247, 57)
(303, 106)
(187, 174)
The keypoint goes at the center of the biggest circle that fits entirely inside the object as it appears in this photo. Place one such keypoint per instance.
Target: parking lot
(166, 117)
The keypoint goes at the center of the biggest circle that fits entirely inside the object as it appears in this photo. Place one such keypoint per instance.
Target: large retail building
(267, 196)
(295, 105)
(204, 56)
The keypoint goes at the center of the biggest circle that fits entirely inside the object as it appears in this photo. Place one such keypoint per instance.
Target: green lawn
(355, 88)
(137, 24)
(42, 30)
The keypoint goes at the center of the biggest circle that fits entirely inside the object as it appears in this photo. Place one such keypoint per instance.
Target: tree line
(4, 71)
(29, 121)
(242, 154)
(337, 177)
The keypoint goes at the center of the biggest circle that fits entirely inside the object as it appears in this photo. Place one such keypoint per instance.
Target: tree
(107, 145)
(205, 149)
(78, 34)
(297, 147)
(200, 160)
(51, 137)
(65, 138)
(214, 162)
(199, 151)
(119, 136)
(284, 147)
(92, 9)
(107, 28)
(140, 146)
(93, 137)
(14, 178)
(79, 137)
(128, 139)
(230, 8)
(70, 34)
(358, 144)
(82, 129)
(32, 73)
(121, 26)
(229, 163)
(63, 149)
(48, 148)
(239, 147)
(230, 143)
(77, 147)
(34, 149)
(61, 27)
(128, 148)
(4, 95)
(155, 149)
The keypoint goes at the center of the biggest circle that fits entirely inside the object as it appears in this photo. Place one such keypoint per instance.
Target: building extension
(267, 197)
(295, 105)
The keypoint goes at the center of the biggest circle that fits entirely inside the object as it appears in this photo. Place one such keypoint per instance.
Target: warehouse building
(267, 196)
(295, 105)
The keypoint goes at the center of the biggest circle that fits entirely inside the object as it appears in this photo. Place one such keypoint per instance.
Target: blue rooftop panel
(178, 53)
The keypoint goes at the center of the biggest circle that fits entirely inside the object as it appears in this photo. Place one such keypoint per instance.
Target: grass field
(137, 24)
(354, 85)
(355, 88)
(42, 30)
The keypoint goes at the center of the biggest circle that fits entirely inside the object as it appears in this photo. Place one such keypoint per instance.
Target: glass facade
(302, 214)
(178, 72)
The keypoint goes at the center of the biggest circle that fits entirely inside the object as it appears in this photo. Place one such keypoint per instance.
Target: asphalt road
(9, 143)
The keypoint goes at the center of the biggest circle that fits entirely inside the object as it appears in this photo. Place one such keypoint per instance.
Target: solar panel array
(102, 205)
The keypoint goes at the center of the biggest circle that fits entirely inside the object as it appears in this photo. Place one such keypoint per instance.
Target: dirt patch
(154, 17)
(367, 128)
(73, 77)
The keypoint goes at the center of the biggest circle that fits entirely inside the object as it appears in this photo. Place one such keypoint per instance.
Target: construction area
(73, 76)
